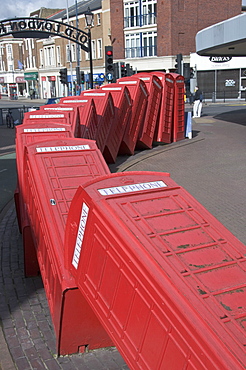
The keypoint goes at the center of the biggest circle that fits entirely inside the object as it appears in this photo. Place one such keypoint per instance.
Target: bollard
(188, 125)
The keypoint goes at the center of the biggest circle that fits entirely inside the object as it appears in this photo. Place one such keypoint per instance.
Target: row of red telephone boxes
(124, 116)
(127, 259)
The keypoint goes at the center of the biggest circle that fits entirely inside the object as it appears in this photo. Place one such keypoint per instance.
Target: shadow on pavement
(238, 118)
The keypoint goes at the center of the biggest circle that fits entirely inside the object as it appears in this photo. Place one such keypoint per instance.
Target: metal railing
(223, 95)
(140, 20)
(140, 52)
(16, 113)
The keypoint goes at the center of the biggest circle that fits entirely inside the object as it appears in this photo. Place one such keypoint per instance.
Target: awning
(227, 38)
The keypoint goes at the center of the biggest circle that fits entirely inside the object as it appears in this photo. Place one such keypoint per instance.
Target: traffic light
(178, 64)
(82, 77)
(129, 70)
(63, 75)
(116, 71)
(186, 71)
(109, 65)
(192, 73)
(123, 71)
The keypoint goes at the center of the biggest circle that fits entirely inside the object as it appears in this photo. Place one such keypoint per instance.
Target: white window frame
(132, 42)
(93, 49)
(98, 19)
(58, 55)
(139, 14)
(99, 49)
(73, 52)
(41, 56)
(49, 56)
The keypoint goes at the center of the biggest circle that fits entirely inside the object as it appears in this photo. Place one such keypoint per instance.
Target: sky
(22, 8)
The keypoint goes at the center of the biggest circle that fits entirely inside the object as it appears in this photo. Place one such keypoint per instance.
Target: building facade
(147, 34)
(33, 65)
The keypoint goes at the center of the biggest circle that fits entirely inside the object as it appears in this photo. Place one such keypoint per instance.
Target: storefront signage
(41, 28)
(230, 83)
(20, 79)
(30, 76)
(220, 59)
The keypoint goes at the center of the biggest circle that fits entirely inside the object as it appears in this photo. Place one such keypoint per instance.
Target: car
(54, 100)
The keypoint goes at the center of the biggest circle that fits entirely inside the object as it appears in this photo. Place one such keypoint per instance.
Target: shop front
(32, 84)
(52, 86)
(13, 94)
(49, 86)
(21, 86)
(220, 78)
(3, 87)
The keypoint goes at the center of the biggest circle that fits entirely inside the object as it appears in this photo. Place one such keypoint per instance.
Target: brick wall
(178, 21)
(117, 24)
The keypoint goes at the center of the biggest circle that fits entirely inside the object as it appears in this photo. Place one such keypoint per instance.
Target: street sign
(109, 76)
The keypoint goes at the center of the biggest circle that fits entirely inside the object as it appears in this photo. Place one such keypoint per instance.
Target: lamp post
(89, 22)
(78, 54)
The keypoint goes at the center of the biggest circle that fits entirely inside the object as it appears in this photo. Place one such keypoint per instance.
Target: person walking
(197, 107)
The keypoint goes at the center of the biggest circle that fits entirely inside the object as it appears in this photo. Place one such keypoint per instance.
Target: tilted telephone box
(87, 114)
(105, 114)
(166, 279)
(122, 106)
(178, 108)
(61, 108)
(147, 130)
(53, 170)
(139, 95)
(164, 126)
(27, 135)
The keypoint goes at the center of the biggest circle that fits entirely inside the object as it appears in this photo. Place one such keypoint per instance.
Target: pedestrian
(197, 107)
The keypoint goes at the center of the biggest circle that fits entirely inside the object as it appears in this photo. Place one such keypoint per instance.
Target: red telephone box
(147, 130)
(53, 170)
(178, 108)
(166, 279)
(164, 126)
(122, 105)
(139, 95)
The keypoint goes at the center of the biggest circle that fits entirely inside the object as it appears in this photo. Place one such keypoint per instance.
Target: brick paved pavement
(211, 167)
(25, 319)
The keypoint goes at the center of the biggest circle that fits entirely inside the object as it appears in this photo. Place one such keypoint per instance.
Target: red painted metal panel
(77, 100)
(88, 115)
(39, 116)
(105, 112)
(178, 108)
(139, 96)
(164, 126)
(26, 135)
(53, 170)
(122, 105)
(177, 296)
(60, 108)
(147, 130)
